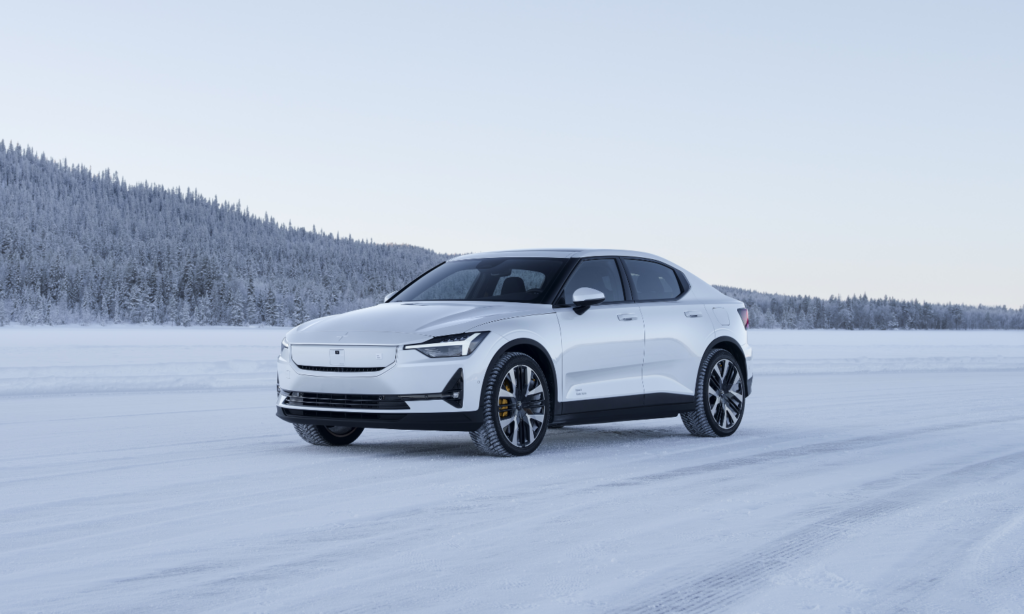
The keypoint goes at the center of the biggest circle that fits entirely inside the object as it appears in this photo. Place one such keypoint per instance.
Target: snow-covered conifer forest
(863, 313)
(84, 247)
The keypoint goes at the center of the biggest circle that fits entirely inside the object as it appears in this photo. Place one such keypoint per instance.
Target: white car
(506, 345)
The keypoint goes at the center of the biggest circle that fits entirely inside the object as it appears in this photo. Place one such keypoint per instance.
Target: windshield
(513, 280)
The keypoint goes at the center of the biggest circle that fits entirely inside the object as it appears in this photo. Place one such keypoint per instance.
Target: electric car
(507, 345)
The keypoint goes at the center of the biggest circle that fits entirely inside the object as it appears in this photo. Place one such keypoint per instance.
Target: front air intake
(343, 401)
(342, 369)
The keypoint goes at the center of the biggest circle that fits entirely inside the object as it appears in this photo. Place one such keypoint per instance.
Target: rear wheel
(721, 397)
(515, 405)
(328, 435)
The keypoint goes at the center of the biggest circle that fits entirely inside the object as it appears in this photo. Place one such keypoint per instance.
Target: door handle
(625, 317)
(692, 314)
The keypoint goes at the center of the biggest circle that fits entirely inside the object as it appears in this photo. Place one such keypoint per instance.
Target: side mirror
(390, 295)
(584, 298)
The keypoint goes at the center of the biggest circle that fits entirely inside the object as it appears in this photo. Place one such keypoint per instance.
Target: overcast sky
(804, 148)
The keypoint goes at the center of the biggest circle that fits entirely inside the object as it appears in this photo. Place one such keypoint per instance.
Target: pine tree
(184, 315)
(202, 311)
(298, 311)
(251, 312)
(236, 309)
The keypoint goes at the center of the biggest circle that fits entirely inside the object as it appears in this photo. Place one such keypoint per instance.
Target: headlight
(449, 346)
(284, 348)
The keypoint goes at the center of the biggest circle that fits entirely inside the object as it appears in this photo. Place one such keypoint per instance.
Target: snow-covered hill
(78, 246)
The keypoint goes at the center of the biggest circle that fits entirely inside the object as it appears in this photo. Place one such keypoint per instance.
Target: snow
(143, 468)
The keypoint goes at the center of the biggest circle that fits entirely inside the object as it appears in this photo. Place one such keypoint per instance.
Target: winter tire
(515, 405)
(721, 396)
(328, 435)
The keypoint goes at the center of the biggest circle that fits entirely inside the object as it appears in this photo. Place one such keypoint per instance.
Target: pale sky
(803, 148)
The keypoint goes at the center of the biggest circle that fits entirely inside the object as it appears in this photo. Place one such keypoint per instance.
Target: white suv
(506, 345)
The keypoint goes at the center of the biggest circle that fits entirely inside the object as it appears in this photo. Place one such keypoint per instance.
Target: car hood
(395, 323)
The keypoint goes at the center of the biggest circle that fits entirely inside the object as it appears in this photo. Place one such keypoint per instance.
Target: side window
(653, 281)
(601, 274)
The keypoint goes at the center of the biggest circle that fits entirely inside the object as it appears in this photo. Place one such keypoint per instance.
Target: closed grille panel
(343, 401)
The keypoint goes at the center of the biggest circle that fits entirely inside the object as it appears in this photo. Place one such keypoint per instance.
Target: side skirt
(621, 409)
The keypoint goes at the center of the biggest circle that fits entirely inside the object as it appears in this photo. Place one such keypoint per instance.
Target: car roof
(559, 252)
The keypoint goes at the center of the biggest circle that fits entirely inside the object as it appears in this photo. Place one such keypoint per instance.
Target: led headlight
(449, 346)
(284, 348)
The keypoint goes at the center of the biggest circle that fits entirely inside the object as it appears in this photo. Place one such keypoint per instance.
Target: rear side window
(601, 274)
(653, 281)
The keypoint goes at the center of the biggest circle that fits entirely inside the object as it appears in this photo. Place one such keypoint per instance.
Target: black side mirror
(584, 298)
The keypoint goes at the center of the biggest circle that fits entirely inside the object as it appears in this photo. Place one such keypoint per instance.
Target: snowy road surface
(874, 472)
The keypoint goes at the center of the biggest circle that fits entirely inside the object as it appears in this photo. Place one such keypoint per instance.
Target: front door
(602, 348)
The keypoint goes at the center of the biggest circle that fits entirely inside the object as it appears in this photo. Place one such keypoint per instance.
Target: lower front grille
(343, 401)
(340, 415)
(342, 369)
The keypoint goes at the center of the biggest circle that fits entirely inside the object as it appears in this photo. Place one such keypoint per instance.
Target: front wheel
(515, 404)
(328, 435)
(721, 397)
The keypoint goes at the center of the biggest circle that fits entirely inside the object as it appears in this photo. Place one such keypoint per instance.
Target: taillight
(744, 317)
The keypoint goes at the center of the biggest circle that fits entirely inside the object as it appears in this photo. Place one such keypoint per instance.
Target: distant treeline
(863, 313)
(81, 247)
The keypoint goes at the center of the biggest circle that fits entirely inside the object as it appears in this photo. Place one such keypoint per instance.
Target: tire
(327, 435)
(525, 416)
(719, 404)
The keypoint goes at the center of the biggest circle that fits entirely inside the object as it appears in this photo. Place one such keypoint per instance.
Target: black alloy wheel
(721, 396)
(515, 404)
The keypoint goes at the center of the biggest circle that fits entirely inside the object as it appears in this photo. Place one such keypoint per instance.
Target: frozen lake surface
(143, 468)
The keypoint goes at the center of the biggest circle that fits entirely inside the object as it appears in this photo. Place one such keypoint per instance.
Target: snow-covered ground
(874, 472)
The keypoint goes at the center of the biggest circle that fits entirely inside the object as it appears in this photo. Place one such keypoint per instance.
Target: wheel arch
(536, 351)
(734, 348)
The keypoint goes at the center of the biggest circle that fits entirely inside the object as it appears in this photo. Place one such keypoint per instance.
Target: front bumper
(413, 392)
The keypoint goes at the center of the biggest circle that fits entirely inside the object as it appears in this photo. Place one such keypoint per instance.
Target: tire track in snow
(956, 559)
(721, 590)
(842, 445)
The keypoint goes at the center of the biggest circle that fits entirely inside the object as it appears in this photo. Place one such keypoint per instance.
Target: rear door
(676, 331)
(602, 348)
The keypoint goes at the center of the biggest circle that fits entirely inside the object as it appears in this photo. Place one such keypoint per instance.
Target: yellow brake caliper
(503, 404)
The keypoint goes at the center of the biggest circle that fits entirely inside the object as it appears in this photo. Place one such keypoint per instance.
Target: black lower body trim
(619, 415)
(750, 384)
(454, 421)
(634, 401)
(617, 409)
